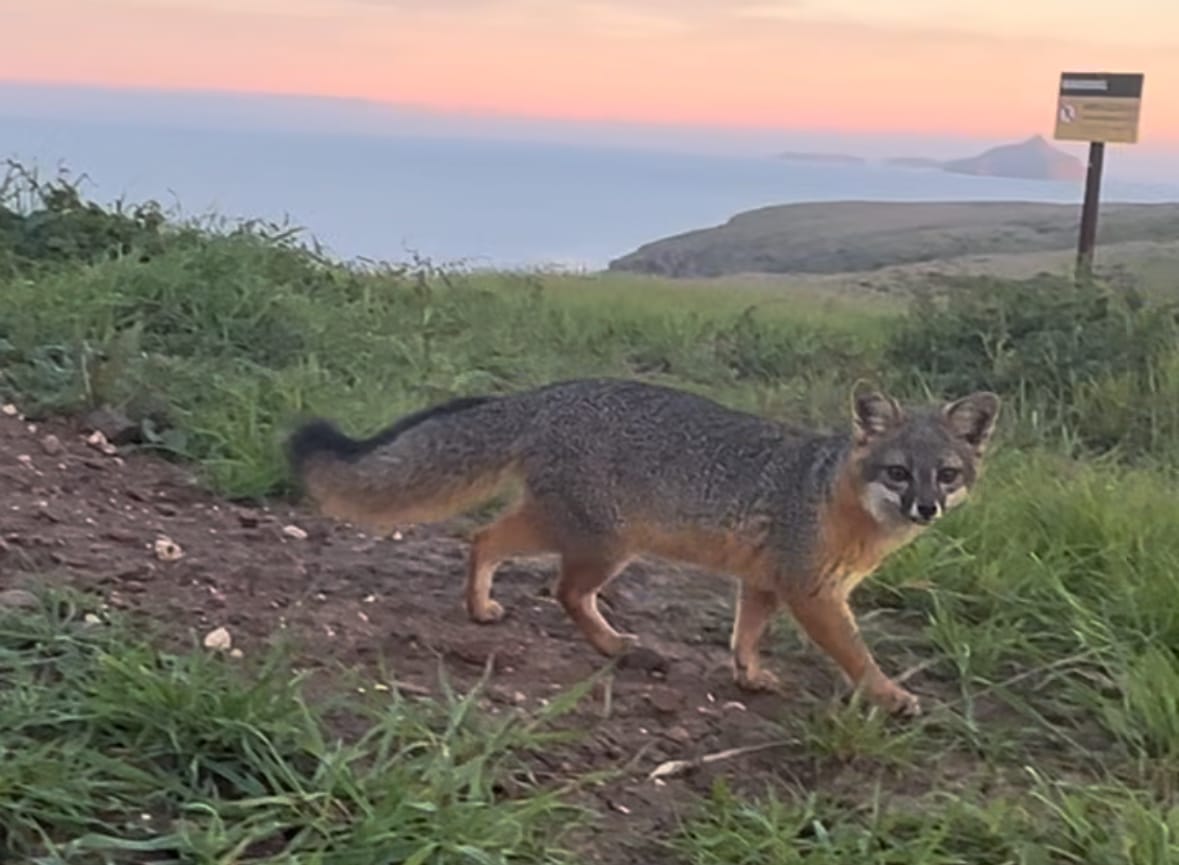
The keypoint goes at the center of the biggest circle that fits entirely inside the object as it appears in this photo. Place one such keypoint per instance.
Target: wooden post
(1088, 238)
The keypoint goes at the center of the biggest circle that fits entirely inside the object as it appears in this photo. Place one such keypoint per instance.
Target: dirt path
(70, 512)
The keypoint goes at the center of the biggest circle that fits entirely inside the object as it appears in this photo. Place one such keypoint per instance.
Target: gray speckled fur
(597, 453)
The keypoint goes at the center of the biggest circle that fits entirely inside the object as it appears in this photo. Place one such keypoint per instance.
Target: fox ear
(972, 418)
(873, 414)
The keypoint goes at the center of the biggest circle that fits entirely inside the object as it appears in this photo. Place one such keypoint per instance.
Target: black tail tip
(317, 437)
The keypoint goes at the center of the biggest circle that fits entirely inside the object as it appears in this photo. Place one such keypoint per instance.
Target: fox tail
(424, 467)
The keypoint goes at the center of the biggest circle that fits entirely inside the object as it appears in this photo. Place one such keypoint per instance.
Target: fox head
(913, 465)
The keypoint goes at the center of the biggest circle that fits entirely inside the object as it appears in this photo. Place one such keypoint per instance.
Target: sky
(985, 68)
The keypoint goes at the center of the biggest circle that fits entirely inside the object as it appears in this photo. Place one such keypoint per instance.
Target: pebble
(51, 444)
(218, 639)
(167, 550)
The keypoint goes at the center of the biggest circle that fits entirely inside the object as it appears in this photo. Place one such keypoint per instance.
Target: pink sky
(971, 67)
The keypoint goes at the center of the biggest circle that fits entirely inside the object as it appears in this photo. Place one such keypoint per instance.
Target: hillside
(856, 236)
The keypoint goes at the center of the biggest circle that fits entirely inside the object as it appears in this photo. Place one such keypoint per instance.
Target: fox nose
(926, 512)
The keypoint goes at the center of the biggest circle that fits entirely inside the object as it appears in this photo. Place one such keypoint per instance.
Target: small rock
(218, 639)
(236, 653)
(115, 427)
(18, 599)
(679, 734)
(91, 619)
(294, 532)
(99, 442)
(9, 410)
(666, 700)
(167, 550)
(398, 536)
(25, 460)
(51, 444)
(646, 659)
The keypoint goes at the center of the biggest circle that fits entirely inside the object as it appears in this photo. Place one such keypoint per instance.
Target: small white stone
(98, 441)
(218, 639)
(167, 550)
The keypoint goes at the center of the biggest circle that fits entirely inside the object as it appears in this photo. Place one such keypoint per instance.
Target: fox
(609, 469)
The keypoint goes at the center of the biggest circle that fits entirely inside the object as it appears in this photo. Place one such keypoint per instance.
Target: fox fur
(612, 469)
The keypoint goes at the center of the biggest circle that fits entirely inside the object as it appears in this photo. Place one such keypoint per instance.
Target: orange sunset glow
(969, 68)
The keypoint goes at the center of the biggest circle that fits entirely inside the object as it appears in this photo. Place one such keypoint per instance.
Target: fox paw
(756, 680)
(615, 645)
(894, 699)
(488, 614)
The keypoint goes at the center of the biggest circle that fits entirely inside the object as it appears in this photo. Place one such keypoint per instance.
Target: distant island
(859, 236)
(834, 158)
(1031, 159)
(914, 162)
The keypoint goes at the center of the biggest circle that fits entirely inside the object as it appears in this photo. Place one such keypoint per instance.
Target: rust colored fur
(851, 543)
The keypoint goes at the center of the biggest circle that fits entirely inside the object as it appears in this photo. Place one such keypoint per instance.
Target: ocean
(476, 202)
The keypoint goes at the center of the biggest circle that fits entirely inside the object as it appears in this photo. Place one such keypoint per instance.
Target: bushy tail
(427, 466)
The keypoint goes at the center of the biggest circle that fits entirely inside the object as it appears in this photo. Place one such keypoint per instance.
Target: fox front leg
(828, 620)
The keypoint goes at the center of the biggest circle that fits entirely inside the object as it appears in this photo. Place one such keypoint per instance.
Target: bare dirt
(103, 522)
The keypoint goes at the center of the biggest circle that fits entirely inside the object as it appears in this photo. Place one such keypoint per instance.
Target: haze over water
(487, 202)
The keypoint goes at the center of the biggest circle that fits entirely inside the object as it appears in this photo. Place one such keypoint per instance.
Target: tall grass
(116, 752)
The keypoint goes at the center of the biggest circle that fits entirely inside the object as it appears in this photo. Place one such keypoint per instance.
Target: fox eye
(948, 475)
(897, 474)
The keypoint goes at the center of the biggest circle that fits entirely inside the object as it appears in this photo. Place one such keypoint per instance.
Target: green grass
(1052, 823)
(114, 751)
(1042, 617)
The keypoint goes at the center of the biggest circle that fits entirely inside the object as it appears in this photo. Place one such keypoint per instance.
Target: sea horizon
(485, 204)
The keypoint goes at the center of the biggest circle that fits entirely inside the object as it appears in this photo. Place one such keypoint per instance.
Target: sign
(1099, 106)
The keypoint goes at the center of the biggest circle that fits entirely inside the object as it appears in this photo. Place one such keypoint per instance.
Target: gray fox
(611, 469)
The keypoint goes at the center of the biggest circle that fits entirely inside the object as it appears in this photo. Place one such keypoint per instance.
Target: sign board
(1099, 106)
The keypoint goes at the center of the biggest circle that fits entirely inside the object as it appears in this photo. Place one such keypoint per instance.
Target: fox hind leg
(516, 533)
(580, 580)
(756, 608)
